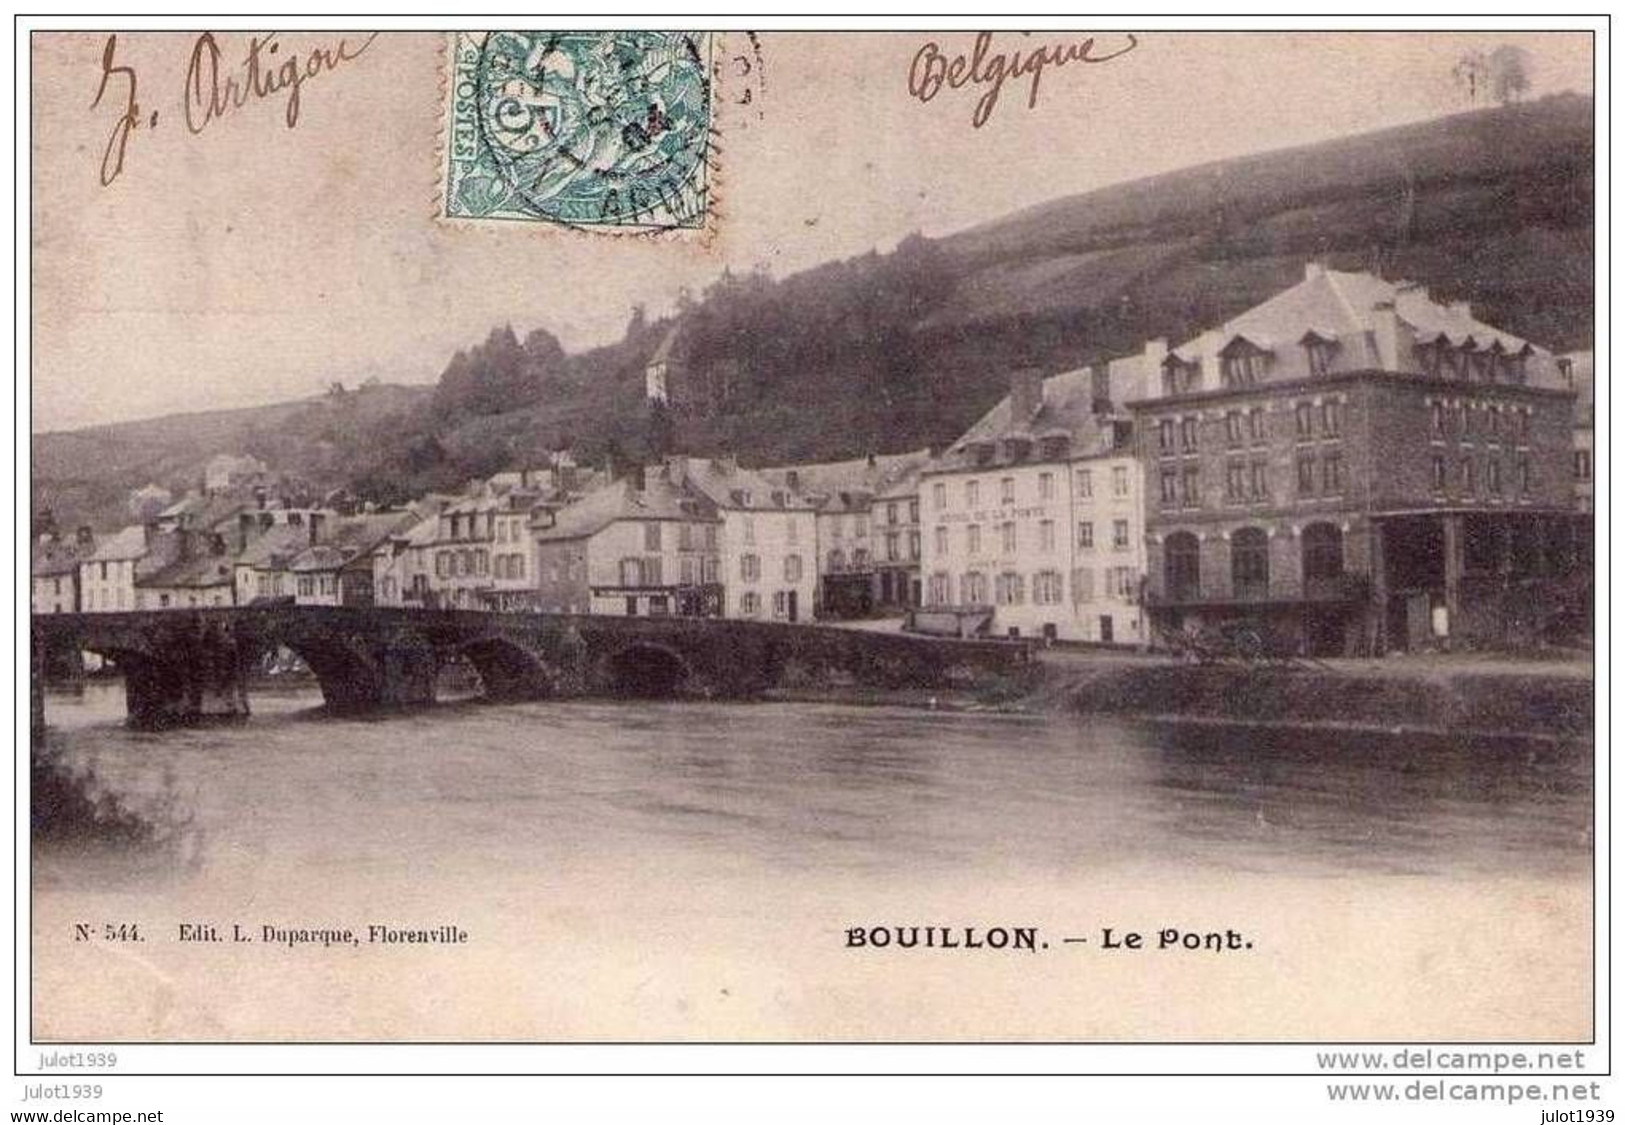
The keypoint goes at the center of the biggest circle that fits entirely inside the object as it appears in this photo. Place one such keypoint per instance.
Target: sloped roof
(853, 483)
(57, 557)
(730, 486)
(126, 543)
(1066, 409)
(1332, 304)
(275, 546)
(659, 499)
(199, 570)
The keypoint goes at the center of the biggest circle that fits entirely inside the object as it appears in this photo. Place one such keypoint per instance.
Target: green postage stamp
(601, 130)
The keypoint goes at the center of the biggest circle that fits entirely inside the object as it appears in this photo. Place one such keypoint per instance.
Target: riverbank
(1468, 696)
(1508, 698)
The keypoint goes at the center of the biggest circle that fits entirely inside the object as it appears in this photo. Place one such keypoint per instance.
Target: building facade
(1350, 467)
(1031, 521)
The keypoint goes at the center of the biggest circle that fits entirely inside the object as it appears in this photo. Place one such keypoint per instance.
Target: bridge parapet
(183, 666)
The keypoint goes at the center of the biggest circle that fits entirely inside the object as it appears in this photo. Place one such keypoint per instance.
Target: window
(1469, 476)
(750, 568)
(1046, 486)
(1438, 420)
(936, 589)
(1255, 425)
(891, 512)
(1007, 538)
(891, 546)
(1120, 535)
(1235, 481)
(1306, 475)
(973, 539)
(1168, 487)
(1241, 364)
(939, 496)
(750, 529)
(631, 572)
(750, 604)
(1165, 435)
(1250, 562)
(1047, 588)
(1178, 377)
(860, 527)
(1492, 476)
(1525, 479)
(792, 530)
(1331, 418)
(1495, 421)
(1440, 473)
(1083, 585)
(1188, 433)
(1007, 490)
(914, 510)
(1322, 552)
(1182, 565)
(1582, 464)
(941, 540)
(1305, 416)
(1008, 589)
(1046, 535)
(710, 537)
(914, 546)
(651, 536)
(1331, 474)
(1086, 535)
(792, 568)
(1190, 487)
(1120, 481)
(1232, 428)
(1259, 480)
(781, 603)
(972, 494)
(973, 588)
(685, 571)
(1085, 484)
(1320, 353)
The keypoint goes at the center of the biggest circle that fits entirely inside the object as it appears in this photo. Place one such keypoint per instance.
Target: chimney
(1026, 394)
(1385, 328)
(793, 478)
(1207, 352)
(1100, 389)
(640, 480)
(84, 537)
(677, 469)
(317, 519)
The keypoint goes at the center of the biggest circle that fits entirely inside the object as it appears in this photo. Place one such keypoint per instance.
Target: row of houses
(1352, 464)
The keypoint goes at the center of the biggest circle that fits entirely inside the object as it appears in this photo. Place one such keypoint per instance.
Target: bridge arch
(648, 669)
(509, 670)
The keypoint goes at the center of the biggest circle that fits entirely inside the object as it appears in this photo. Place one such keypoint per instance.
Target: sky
(254, 263)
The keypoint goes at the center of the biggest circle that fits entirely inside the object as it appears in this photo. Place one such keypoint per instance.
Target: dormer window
(1478, 364)
(1242, 363)
(1179, 377)
(1015, 449)
(1320, 350)
(1515, 367)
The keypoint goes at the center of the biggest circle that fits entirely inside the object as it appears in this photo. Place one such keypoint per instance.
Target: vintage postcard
(701, 536)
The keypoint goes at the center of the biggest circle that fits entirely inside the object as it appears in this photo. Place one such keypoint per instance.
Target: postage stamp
(601, 130)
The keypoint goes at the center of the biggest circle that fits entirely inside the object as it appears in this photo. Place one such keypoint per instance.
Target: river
(690, 871)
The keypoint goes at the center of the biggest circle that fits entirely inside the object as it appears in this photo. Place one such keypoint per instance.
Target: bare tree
(1471, 72)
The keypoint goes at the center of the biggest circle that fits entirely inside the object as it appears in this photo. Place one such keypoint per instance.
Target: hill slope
(887, 352)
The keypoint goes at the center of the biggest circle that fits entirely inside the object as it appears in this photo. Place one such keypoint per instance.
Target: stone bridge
(182, 666)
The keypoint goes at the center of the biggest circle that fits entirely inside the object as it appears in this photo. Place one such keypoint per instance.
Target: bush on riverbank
(68, 805)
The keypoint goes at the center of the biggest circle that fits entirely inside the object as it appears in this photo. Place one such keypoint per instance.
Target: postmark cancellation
(606, 131)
